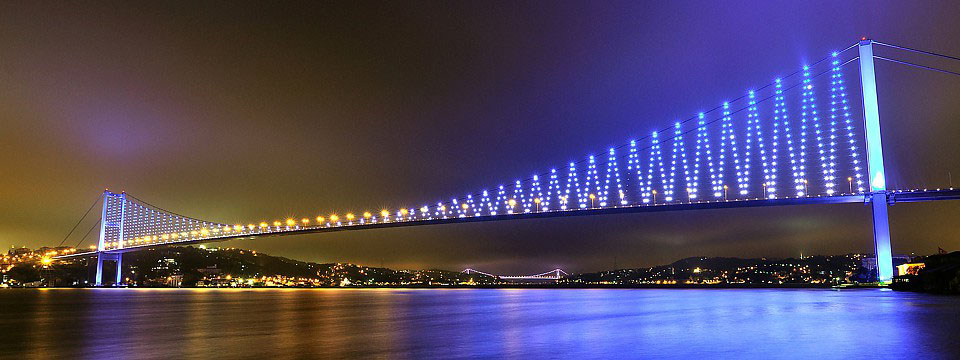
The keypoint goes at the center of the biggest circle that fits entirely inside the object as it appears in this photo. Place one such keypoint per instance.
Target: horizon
(218, 112)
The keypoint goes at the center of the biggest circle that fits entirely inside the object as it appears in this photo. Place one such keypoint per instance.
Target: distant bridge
(794, 141)
(555, 274)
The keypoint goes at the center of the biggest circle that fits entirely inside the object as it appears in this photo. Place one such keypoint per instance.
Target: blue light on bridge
(743, 177)
(593, 182)
(656, 162)
(719, 184)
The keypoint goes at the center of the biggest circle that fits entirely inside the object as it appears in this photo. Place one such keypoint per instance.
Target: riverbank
(940, 275)
(528, 286)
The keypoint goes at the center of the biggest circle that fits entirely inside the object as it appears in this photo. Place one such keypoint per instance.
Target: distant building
(909, 269)
(174, 281)
(869, 263)
(212, 270)
(19, 251)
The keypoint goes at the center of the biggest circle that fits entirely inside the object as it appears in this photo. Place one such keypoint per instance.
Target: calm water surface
(476, 323)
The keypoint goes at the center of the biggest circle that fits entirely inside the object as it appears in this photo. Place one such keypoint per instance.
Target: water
(476, 323)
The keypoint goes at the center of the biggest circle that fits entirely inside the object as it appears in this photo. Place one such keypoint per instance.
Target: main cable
(88, 234)
(666, 139)
(931, 53)
(917, 65)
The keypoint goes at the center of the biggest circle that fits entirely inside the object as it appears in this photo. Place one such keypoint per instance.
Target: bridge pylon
(876, 177)
(111, 233)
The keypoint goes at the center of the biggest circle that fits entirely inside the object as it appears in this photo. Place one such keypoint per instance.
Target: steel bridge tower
(111, 231)
(876, 177)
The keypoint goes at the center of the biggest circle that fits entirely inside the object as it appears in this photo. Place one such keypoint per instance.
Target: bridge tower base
(881, 237)
(105, 256)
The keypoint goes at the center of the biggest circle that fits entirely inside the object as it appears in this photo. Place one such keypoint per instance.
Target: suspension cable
(708, 122)
(88, 234)
(81, 220)
(917, 51)
(916, 65)
(665, 139)
(171, 212)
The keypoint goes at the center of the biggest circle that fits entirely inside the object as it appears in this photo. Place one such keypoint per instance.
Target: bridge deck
(895, 196)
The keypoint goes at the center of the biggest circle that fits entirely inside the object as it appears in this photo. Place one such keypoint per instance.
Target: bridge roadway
(898, 196)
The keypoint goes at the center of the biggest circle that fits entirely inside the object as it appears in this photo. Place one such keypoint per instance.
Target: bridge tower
(111, 231)
(878, 183)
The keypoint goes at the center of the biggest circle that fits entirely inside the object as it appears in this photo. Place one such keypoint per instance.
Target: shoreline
(522, 286)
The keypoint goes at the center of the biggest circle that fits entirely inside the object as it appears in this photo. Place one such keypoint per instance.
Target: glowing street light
(350, 217)
(367, 215)
(319, 219)
(592, 198)
(334, 218)
(654, 195)
(384, 213)
(724, 192)
(291, 222)
(850, 180)
(537, 202)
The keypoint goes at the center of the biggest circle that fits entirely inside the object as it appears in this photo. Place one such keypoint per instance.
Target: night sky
(242, 112)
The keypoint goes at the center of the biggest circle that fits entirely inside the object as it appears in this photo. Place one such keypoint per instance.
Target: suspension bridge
(555, 274)
(809, 137)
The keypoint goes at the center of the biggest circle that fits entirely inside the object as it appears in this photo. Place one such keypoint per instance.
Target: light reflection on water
(476, 323)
